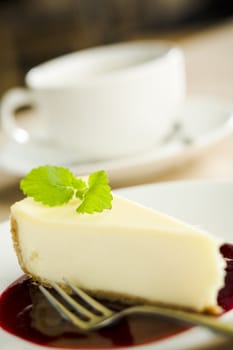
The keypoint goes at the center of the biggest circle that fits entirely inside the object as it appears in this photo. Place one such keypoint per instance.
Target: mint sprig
(97, 194)
(54, 186)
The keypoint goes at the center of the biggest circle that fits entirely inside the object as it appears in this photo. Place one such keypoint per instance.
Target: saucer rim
(154, 157)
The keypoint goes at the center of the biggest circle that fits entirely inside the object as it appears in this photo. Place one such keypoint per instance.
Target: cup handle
(11, 101)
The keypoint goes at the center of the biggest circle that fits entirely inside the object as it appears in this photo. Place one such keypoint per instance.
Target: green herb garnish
(53, 186)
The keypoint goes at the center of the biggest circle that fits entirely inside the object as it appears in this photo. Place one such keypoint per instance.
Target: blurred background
(34, 31)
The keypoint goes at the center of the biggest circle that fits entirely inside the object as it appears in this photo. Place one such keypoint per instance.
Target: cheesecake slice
(129, 253)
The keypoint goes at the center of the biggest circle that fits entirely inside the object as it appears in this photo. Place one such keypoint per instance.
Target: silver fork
(96, 315)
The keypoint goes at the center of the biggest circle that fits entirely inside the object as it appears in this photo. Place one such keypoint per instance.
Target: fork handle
(210, 322)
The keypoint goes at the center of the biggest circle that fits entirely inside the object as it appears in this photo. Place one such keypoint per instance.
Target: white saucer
(202, 123)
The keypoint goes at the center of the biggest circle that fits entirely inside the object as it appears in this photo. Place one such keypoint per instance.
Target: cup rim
(158, 50)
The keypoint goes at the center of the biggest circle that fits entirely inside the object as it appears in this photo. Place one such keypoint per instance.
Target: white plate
(206, 204)
(203, 121)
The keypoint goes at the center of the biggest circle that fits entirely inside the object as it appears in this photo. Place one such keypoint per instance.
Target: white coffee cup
(104, 102)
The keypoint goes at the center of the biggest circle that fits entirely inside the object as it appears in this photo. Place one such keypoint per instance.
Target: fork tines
(84, 315)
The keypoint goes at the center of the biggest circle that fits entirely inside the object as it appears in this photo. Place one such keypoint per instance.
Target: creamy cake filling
(129, 252)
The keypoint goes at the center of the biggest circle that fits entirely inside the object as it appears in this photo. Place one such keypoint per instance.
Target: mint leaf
(98, 194)
(53, 185)
(50, 185)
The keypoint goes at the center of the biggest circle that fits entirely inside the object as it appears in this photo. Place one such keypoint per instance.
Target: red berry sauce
(25, 313)
(225, 295)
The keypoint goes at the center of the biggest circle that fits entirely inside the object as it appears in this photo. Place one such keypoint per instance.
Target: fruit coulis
(26, 313)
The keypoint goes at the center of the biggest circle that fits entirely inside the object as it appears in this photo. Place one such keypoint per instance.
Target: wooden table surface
(209, 64)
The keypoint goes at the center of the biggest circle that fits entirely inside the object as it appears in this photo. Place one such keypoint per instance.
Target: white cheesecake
(130, 253)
